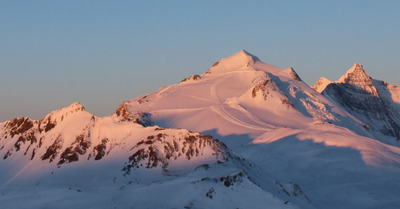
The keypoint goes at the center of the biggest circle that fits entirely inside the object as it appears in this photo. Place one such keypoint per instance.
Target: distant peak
(357, 76)
(321, 84)
(76, 104)
(55, 117)
(72, 108)
(323, 79)
(357, 65)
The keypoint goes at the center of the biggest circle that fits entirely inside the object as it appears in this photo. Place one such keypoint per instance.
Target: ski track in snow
(213, 92)
(221, 111)
(198, 98)
(232, 103)
(164, 89)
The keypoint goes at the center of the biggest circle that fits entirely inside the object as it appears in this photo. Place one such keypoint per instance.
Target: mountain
(272, 118)
(245, 134)
(105, 161)
(375, 103)
(238, 95)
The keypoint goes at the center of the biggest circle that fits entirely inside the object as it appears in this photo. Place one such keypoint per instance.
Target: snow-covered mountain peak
(321, 84)
(50, 120)
(242, 60)
(74, 106)
(357, 76)
(248, 56)
(369, 100)
(238, 92)
(70, 109)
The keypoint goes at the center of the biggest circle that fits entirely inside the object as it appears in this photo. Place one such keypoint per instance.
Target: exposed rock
(18, 125)
(358, 93)
(357, 77)
(192, 78)
(158, 150)
(53, 150)
(231, 180)
(215, 64)
(264, 87)
(77, 148)
(139, 117)
(46, 124)
(100, 149)
(122, 111)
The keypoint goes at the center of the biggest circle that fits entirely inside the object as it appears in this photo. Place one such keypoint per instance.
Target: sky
(101, 53)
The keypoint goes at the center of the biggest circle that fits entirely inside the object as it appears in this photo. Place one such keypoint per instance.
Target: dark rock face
(192, 78)
(264, 88)
(142, 118)
(54, 149)
(367, 99)
(77, 148)
(29, 137)
(100, 149)
(157, 150)
(370, 108)
(46, 124)
(18, 126)
(122, 111)
(231, 180)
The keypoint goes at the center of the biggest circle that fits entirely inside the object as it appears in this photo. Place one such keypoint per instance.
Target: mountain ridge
(37, 153)
(368, 99)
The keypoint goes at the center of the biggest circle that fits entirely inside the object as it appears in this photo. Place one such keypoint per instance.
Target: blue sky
(101, 53)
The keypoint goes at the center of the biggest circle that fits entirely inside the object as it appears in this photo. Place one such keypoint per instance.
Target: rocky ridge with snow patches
(371, 101)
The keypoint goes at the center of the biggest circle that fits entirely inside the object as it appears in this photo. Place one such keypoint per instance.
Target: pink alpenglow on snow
(244, 134)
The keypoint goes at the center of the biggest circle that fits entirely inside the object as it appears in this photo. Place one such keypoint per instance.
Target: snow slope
(239, 95)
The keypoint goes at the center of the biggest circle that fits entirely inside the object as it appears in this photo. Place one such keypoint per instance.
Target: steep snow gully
(244, 134)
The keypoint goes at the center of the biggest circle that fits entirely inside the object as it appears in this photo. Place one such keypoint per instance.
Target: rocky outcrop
(192, 78)
(158, 150)
(362, 97)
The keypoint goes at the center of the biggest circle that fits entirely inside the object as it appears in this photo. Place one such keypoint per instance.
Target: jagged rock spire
(357, 76)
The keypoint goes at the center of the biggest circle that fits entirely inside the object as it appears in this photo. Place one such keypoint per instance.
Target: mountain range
(245, 134)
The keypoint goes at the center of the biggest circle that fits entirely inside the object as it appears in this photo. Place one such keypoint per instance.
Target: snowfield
(244, 134)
